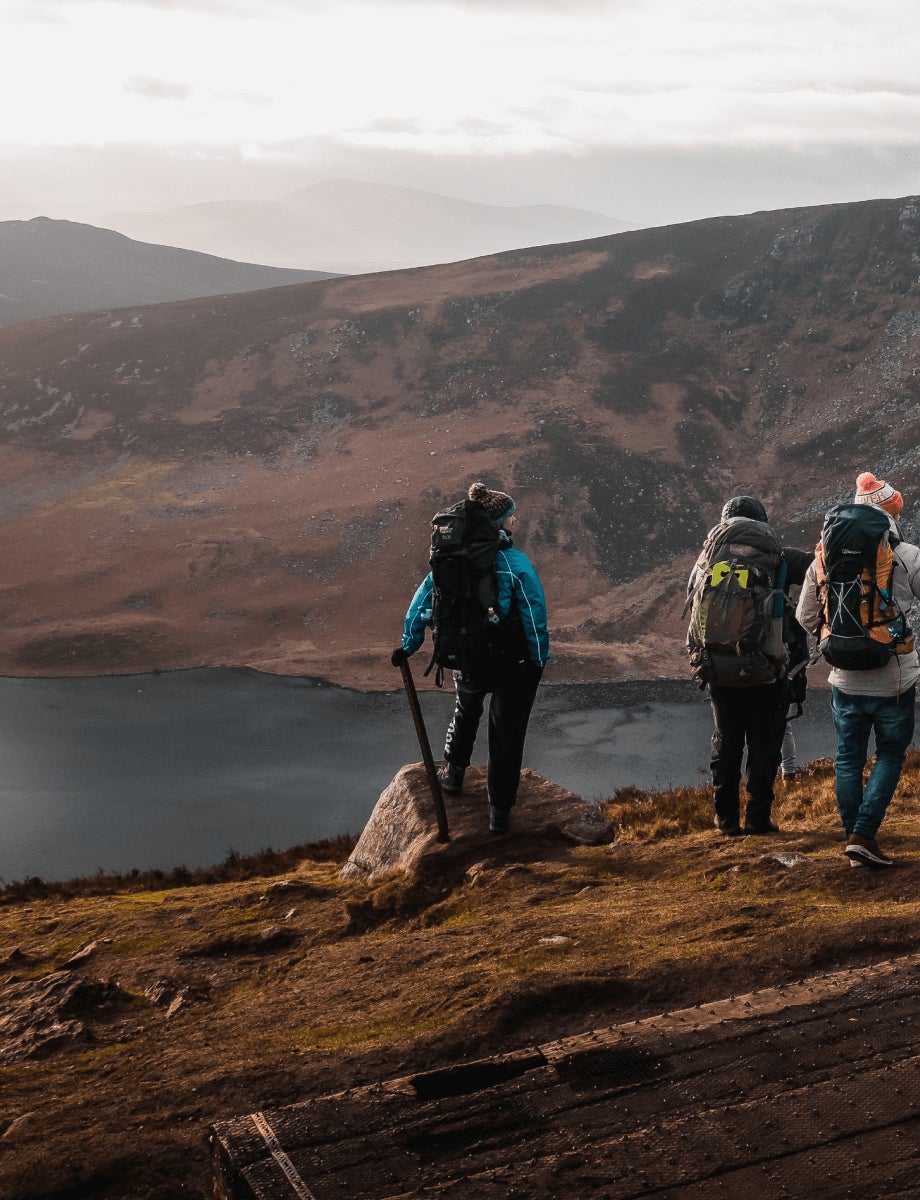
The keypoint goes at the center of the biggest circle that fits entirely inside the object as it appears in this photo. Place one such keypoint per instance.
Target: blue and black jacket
(516, 582)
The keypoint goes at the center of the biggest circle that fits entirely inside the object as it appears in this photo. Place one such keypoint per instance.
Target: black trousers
(513, 688)
(753, 719)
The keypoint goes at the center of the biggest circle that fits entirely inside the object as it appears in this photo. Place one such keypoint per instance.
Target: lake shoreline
(115, 773)
(658, 681)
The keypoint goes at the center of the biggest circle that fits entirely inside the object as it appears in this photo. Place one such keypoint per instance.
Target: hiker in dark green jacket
(747, 719)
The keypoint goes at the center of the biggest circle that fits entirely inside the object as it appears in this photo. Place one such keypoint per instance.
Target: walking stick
(433, 782)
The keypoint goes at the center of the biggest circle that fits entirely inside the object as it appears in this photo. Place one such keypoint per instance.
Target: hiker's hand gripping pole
(433, 782)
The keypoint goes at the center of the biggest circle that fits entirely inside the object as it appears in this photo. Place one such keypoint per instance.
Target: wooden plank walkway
(807, 1090)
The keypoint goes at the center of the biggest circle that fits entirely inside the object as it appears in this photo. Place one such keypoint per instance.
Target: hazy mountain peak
(354, 225)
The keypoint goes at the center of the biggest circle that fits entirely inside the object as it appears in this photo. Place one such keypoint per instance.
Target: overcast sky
(652, 111)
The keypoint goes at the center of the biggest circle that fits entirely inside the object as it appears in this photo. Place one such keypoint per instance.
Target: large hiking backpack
(464, 543)
(862, 625)
(735, 635)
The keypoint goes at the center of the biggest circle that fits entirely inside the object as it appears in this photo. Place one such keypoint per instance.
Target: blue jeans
(855, 717)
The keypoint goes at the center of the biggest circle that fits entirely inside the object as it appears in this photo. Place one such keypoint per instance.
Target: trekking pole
(433, 782)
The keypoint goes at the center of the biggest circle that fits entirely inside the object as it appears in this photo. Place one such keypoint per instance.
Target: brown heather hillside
(198, 1002)
(248, 479)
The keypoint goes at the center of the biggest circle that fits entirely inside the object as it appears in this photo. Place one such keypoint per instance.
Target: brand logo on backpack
(862, 625)
(464, 543)
(735, 635)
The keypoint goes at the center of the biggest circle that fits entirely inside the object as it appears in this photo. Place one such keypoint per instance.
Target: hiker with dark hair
(738, 650)
(856, 599)
(501, 649)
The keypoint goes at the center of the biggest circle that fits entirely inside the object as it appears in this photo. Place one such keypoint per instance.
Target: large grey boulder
(401, 834)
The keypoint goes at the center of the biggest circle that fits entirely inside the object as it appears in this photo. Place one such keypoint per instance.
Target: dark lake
(179, 768)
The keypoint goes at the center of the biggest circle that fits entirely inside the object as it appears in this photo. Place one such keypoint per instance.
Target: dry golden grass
(806, 803)
(149, 887)
(302, 987)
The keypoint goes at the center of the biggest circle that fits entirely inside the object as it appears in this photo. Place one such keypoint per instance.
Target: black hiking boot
(499, 819)
(729, 828)
(451, 778)
(760, 828)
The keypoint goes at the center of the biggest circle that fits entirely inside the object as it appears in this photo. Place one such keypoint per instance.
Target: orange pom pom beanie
(870, 490)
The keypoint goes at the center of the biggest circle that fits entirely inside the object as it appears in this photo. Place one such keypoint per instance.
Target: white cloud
(496, 91)
(157, 89)
(54, 10)
(601, 74)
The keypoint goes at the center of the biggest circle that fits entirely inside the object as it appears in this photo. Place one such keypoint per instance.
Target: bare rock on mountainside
(39, 1016)
(248, 480)
(49, 267)
(401, 834)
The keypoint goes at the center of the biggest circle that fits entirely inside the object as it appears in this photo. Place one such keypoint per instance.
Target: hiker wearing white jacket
(879, 700)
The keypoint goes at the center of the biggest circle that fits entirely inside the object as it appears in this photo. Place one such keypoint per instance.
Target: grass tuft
(234, 867)
(651, 816)
(807, 802)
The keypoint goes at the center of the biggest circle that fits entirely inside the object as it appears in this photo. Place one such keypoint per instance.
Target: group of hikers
(753, 604)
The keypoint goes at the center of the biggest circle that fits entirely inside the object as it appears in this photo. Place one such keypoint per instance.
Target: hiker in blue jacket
(511, 671)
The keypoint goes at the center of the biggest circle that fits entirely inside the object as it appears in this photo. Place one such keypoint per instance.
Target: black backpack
(464, 543)
(861, 625)
(735, 635)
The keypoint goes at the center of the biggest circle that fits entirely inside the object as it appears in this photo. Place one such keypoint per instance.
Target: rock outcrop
(38, 1017)
(401, 834)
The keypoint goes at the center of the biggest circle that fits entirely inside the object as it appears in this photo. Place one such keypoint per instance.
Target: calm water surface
(158, 771)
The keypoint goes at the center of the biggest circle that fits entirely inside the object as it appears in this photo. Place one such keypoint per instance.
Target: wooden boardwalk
(810, 1090)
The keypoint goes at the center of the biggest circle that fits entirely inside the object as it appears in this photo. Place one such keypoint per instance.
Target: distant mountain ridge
(248, 480)
(50, 267)
(351, 226)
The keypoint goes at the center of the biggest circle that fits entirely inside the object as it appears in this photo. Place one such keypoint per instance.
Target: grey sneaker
(866, 851)
(451, 778)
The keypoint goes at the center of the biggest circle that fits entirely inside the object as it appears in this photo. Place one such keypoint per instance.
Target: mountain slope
(249, 479)
(351, 226)
(51, 267)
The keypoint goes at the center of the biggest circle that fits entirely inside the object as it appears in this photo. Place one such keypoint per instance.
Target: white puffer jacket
(902, 670)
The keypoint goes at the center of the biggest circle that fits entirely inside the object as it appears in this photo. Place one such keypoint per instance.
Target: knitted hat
(498, 505)
(744, 506)
(870, 490)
